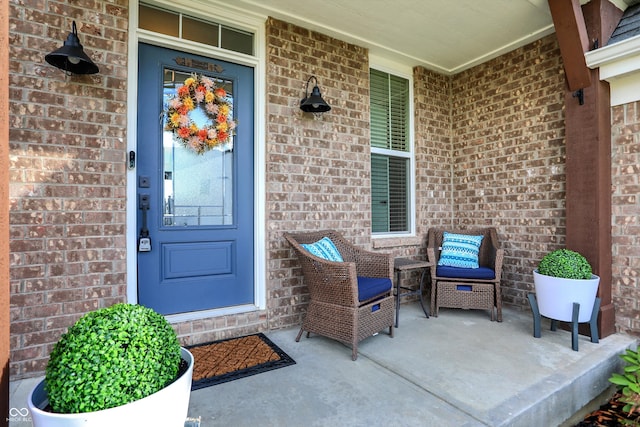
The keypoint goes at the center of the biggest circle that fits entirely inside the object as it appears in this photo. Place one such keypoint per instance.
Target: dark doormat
(227, 360)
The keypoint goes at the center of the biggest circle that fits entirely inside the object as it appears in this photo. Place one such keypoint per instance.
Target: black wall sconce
(71, 58)
(313, 103)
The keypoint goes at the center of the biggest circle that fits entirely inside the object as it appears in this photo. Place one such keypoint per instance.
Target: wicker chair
(335, 309)
(479, 289)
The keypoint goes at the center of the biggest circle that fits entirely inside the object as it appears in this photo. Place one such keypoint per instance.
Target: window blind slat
(379, 93)
(398, 101)
(398, 194)
(379, 193)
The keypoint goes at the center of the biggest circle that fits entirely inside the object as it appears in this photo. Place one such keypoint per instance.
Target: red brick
(60, 176)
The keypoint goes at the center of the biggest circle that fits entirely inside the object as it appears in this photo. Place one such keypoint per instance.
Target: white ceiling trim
(374, 48)
(504, 49)
(440, 35)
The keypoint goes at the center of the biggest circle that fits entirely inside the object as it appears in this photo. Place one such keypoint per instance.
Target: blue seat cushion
(369, 287)
(485, 273)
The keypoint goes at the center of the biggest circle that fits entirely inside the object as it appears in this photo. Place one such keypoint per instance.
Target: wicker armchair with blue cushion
(350, 289)
(468, 269)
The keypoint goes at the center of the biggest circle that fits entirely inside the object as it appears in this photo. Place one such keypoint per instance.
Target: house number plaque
(203, 65)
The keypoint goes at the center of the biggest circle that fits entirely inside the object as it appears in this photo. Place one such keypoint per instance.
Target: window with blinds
(390, 153)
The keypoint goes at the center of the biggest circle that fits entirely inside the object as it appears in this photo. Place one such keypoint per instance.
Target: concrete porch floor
(459, 369)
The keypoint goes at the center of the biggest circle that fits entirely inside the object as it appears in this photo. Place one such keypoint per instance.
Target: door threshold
(205, 314)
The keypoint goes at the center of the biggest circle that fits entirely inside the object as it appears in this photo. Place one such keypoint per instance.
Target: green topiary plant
(111, 357)
(566, 264)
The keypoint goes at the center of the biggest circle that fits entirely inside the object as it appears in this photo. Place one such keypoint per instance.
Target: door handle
(143, 202)
(144, 241)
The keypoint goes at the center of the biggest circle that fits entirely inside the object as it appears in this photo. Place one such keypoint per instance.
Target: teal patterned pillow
(460, 250)
(324, 248)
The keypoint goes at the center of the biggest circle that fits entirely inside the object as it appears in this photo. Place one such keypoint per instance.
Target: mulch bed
(610, 414)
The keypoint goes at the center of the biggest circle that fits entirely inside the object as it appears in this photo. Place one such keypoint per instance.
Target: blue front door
(195, 209)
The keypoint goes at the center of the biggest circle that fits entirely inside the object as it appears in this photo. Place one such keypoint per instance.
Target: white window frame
(405, 72)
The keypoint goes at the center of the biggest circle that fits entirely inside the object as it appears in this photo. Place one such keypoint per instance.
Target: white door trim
(255, 24)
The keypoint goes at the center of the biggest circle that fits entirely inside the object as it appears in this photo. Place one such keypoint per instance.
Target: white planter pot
(555, 296)
(168, 407)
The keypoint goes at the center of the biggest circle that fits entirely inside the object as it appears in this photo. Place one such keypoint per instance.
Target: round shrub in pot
(565, 277)
(111, 357)
(565, 263)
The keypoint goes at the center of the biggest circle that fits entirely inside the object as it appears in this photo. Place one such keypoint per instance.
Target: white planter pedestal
(566, 300)
(168, 407)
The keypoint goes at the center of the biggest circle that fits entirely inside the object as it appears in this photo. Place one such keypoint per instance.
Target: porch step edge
(555, 400)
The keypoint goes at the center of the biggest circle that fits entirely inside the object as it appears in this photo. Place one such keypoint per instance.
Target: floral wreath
(199, 89)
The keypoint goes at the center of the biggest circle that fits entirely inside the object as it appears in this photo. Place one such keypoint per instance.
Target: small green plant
(566, 264)
(110, 357)
(629, 383)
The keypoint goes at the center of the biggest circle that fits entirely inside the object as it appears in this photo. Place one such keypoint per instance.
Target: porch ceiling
(442, 35)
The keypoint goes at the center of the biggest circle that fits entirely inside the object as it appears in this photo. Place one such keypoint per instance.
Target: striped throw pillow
(324, 248)
(460, 250)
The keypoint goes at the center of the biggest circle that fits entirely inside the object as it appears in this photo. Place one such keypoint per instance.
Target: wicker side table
(465, 295)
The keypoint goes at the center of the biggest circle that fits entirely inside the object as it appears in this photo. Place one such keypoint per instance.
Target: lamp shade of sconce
(71, 58)
(313, 103)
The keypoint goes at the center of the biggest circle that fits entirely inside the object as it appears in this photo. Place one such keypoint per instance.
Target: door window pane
(238, 41)
(159, 21)
(197, 188)
(200, 31)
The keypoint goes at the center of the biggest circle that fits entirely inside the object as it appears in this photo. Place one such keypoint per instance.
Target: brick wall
(489, 151)
(67, 177)
(432, 103)
(317, 168)
(508, 156)
(625, 157)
